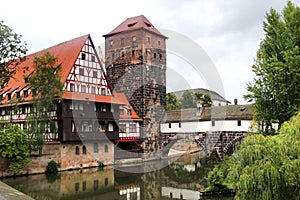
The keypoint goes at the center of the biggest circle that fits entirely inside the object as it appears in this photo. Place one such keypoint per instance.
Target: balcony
(87, 136)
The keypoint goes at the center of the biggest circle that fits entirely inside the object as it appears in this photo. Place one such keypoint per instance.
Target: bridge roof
(230, 112)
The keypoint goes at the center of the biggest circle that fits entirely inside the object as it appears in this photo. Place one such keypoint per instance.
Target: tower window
(82, 56)
(133, 38)
(122, 41)
(111, 42)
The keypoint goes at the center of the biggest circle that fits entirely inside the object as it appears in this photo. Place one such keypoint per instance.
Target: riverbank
(9, 193)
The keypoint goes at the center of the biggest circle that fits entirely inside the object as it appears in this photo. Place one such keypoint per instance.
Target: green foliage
(264, 167)
(172, 102)
(12, 52)
(14, 146)
(275, 89)
(52, 167)
(188, 100)
(46, 84)
(205, 99)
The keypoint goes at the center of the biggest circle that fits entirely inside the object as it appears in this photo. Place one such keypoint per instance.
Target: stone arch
(233, 142)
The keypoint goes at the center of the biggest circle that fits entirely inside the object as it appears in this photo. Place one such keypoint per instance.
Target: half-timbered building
(86, 116)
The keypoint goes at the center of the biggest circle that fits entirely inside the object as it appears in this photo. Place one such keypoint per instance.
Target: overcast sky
(229, 31)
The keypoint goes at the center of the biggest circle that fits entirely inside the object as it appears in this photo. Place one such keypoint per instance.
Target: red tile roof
(133, 23)
(66, 54)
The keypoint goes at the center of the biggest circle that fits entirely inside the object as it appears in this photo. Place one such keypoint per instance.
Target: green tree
(172, 102)
(46, 85)
(187, 100)
(275, 89)
(12, 52)
(15, 147)
(205, 99)
(264, 167)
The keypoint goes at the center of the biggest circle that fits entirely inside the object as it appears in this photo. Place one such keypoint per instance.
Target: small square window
(213, 123)
(102, 91)
(82, 56)
(81, 71)
(93, 90)
(133, 39)
(111, 42)
(83, 88)
(122, 41)
(72, 87)
(25, 93)
(95, 74)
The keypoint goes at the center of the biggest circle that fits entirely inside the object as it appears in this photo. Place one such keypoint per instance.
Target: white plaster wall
(204, 126)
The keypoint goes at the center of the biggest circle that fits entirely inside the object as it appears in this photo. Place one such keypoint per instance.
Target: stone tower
(135, 61)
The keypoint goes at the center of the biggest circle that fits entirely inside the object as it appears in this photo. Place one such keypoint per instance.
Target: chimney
(235, 102)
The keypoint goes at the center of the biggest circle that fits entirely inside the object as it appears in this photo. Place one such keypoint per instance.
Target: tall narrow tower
(135, 60)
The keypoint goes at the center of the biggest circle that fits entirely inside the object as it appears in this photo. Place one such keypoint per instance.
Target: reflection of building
(175, 193)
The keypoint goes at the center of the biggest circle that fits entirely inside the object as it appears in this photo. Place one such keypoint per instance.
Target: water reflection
(182, 179)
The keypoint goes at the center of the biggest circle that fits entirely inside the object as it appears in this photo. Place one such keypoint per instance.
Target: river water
(183, 178)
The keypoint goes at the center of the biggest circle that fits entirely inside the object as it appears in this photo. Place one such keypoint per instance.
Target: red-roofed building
(87, 115)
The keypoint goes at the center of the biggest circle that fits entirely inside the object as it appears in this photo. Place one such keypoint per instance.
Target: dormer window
(18, 94)
(9, 96)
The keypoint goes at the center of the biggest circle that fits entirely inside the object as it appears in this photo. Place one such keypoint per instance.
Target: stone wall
(67, 156)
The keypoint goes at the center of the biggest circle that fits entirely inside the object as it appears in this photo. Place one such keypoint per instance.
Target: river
(183, 178)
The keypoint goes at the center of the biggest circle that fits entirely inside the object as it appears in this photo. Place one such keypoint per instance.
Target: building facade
(84, 125)
(135, 60)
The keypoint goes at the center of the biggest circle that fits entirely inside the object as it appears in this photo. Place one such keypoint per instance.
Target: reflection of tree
(180, 174)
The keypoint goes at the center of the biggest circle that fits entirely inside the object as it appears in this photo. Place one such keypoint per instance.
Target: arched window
(77, 150)
(83, 149)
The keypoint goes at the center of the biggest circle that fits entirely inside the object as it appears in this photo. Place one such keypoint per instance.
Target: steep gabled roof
(134, 23)
(66, 53)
